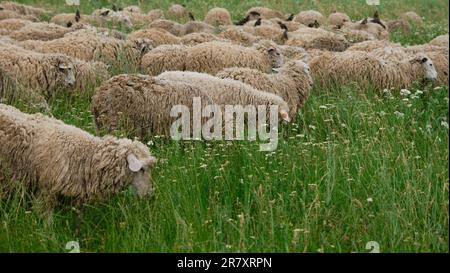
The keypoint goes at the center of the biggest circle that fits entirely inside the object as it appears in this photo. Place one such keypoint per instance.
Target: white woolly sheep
(264, 13)
(442, 40)
(88, 46)
(292, 82)
(310, 18)
(227, 91)
(218, 17)
(22, 9)
(9, 14)
(239, 36)
(155, 14)
(316, 38)
(375, 29)
(39, 31)
(199, 38)
(157, 36)
(177, 12)
(379, 68)
(83, 167)
(211, 57)
(178, 29)
(141, 104)
(9, 25)
(337, 19)
(46, 73)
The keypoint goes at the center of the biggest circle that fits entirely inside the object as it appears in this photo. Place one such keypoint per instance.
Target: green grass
(357, 166)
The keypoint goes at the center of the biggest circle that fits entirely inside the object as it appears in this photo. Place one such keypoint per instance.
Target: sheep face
(428, 66)
(139, 163)
(143, 45)
(276, 58)
(61, 71)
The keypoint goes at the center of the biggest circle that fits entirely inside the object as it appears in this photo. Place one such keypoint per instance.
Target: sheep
(39, 31)
(315, 38)
(83, 168)
(11, 91)
(211, 57)
(157, 36)
(9, 25)
(46, 73)
(218, 16)
(293, 52)
(88, 74)
(227, 91)
(374, 29)
(442, 40)
(412, 17)
(155, 14)
(9, 14)
(177, 12)
(310, 18)
(371, 45)
(292, 82)
(105, 16)
(239, 36)
(163, 58)
(198, 38)
(439, 56)
(141, 104)
(337, 19)
(264, 13)
(269, 32)
(23, 9)
(180, 29)
(382, 68)
(89, 46)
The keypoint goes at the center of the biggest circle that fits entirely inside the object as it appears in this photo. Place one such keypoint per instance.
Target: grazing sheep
(316, 38)
(198, 38)
(371, 45)
(442, 40)
(9, 25)
(83, 167)
(177, 12)
(239, 36)
(267, 31)
(180, 30)
(439, 56)
(375, 29)
(264, 13)
(218, 17)
(379, 68)
(39, 31)
(46, 73)
(292, 82)
(310, 18)
(88, 46)
(412, 17)
(23, 9)
(293, 52)
(212, 57)
(141, 104)
(157, 36)
(337, 19)
(155, 14)
(103, 17)
(88, 74)
(9, 14)
(12, 91)
(165, 58)
(228, 92)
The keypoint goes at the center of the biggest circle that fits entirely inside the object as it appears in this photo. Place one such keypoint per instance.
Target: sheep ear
(134, 164)
(271, 51)
(77, 16)
(285, 116)
(105, 13)
(69, 24)
(424, 59)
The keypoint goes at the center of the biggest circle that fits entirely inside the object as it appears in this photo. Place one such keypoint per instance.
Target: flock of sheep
(267, 58)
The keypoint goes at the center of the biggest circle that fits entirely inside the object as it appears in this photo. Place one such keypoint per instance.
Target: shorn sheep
(46, 73)
(378, 68)
(211, 57)
(227, 91)
(293, 82)
(83, 168)
(141, 104)
(218, 17)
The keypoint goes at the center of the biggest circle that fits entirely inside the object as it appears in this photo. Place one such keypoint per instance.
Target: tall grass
(357, 166)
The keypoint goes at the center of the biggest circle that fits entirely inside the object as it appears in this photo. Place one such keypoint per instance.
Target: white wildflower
(399, 114)
(405, 92)
(445, 124)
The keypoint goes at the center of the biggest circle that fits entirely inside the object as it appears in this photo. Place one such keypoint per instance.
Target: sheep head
(430, 72)
(273, 52)
(139, 162)
(61, 72)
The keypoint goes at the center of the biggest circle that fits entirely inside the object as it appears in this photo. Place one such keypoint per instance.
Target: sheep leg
(44, 204)
(78, 218)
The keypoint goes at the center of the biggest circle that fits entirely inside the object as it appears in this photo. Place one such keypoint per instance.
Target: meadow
(358, 165)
